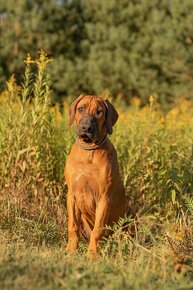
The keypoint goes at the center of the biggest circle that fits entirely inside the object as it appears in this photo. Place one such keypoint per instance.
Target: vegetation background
(136, 53)
(131, 47)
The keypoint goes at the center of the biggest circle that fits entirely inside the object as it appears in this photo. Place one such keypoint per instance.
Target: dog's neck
(92, 146)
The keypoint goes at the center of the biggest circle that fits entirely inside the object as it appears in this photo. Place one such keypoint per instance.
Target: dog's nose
(87, 128)
(88, 125)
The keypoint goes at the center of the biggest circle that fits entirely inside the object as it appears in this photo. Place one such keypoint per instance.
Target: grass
(48, 267)
(155, 152)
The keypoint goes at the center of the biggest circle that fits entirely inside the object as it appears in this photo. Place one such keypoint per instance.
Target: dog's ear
(111, 117)
(72, 109)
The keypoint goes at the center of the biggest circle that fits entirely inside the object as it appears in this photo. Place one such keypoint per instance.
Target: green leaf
(173, 192)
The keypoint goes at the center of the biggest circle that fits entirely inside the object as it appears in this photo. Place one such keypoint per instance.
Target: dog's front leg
(101, 217)
(73, 224)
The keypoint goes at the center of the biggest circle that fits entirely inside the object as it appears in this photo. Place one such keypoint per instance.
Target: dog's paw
(92, 254)
(70, 249)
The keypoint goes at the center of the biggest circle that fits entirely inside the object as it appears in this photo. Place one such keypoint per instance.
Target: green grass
(24, 266)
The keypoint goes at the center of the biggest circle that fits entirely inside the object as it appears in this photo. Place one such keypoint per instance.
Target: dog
(96, 194)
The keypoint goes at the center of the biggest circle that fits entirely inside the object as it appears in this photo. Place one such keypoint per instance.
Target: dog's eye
(80, 109)
(99, 112)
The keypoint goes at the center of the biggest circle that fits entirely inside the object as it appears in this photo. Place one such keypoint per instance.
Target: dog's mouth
(86, 137)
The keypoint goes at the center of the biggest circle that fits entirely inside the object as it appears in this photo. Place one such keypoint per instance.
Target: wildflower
(28, 60)
(151, 100)
(43, 59)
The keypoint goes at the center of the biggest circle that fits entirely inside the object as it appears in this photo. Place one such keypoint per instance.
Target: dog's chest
(90, 157)
(88, 174)
(86, 192)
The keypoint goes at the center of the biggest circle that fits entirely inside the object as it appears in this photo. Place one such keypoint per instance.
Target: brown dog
(95, 191)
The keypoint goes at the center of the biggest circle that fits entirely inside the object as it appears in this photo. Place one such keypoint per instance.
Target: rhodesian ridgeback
(95, 195)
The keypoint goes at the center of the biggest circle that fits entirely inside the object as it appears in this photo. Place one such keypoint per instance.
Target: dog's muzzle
(88, 129)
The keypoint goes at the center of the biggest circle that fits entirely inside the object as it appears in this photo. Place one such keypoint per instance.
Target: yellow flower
(43, 59)
(151, 100)
(135, 102)
(28, 60)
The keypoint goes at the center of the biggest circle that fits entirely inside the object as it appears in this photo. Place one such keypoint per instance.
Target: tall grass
(155, 152)
(31, 183)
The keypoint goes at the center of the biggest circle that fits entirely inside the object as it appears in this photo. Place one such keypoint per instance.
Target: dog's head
(94, 117)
